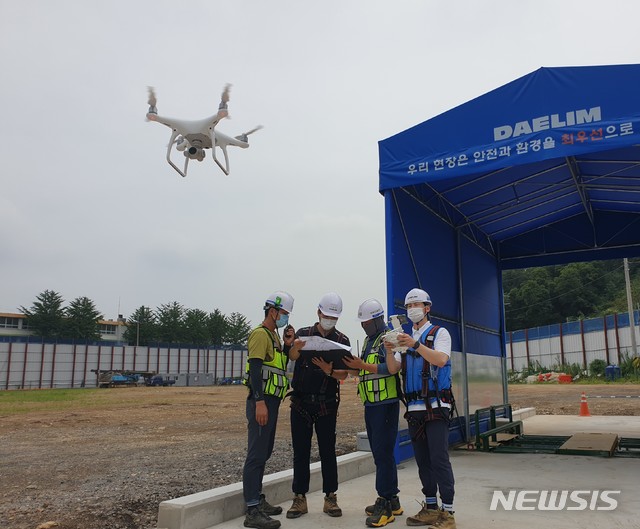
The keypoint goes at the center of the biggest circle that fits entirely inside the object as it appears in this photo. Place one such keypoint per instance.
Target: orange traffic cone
(584, 407)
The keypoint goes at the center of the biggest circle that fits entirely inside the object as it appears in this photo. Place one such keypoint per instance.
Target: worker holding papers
(314, 403)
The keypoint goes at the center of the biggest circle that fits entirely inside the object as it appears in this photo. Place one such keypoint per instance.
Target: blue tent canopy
(543, 170)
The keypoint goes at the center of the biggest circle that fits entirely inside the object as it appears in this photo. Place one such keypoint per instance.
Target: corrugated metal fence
(576, 342)
(25, 365)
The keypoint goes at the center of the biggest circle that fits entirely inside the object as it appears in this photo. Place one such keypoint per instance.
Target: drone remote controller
(396, 321)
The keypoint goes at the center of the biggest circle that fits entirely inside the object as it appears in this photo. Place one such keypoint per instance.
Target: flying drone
(193, 137)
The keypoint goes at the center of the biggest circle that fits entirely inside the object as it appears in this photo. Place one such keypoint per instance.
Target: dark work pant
(432, 457)
(382, 430)
(259, 448)
(301, 435)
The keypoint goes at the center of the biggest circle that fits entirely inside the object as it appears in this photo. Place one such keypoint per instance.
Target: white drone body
(193, 137)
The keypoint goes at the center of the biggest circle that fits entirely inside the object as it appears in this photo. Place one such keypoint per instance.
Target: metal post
(632, 325)
(8, 366)
(463, 346)
(584, 350)
(606, 340)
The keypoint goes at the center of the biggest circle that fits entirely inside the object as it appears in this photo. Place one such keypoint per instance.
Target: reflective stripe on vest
(374, 387)
(274, 373)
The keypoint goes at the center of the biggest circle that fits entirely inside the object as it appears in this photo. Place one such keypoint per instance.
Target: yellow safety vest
(274, 373)
(372, 386)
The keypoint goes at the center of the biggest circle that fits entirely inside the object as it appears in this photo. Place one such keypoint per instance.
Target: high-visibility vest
(374, 387)
(274, 372)
(423, 380)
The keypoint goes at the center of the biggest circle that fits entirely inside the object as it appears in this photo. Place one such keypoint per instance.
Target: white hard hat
(370, 309)
(331, 305)
(280, 300)
(417, 294)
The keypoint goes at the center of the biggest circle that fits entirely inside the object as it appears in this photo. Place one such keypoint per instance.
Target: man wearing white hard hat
(379, 388)
(426, 370)
(314, 403)
(266, 378)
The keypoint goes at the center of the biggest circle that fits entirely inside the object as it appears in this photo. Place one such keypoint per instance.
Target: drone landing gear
(225, 169)
(174, 134)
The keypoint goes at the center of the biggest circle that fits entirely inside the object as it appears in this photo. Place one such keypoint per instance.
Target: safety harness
(314, 394)
(429, 373)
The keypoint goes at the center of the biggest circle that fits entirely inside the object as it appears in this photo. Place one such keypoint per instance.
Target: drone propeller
(253, 130)
(152, 96)
(152, 102)
(225, 93)
(224, 99)
(243, 136)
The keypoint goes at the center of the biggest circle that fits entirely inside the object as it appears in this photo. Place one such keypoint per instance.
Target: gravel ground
(107, 462)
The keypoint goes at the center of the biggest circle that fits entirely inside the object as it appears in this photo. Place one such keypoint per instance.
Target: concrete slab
(479, 478)
(623, 426)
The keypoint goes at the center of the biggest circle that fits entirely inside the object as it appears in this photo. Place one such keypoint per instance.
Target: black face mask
(374, 327)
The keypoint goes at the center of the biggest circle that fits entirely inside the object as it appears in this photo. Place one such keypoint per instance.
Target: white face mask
(415, 314)
(327, 324)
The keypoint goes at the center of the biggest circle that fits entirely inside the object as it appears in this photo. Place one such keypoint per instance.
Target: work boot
(299, 506)
(425, 516)
(331, 505)
(382, 514)
(267, 508)
(396, 508)
(259, 520)
(446, 521)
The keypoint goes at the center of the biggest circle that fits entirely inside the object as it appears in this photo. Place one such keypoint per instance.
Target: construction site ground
(109, 460)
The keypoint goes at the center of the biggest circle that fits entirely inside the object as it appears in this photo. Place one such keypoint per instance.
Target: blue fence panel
(594, 324)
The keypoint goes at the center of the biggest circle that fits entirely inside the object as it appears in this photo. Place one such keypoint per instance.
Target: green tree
(171, 327)
(578, 288)
(196, 324)
(46, 316)
(218, 327)
(239, 329)
(529, 304)
(575, 290)
(141, 327)
(83, 319)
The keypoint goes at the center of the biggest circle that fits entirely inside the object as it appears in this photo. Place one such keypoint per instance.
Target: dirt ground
(111, 461)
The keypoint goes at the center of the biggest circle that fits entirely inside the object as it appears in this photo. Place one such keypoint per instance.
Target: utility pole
(632, 326)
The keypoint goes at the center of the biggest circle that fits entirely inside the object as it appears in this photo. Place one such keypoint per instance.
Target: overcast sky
(89, 206)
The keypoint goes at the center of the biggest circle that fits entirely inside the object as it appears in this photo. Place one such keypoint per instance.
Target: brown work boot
(299, 506)
(425, 516)
(331, 505)
(446, 521)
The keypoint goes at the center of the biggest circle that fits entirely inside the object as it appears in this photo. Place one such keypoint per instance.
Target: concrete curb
(205, 509)
(523, 413)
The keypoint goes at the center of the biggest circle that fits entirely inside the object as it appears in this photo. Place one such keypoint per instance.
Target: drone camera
(195, 153)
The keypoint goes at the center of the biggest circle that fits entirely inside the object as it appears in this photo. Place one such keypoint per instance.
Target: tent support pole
(463, 345)
(582, 193)
(404, 232)
(503, 345)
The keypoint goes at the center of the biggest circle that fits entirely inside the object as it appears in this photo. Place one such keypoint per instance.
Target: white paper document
(317, 343)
